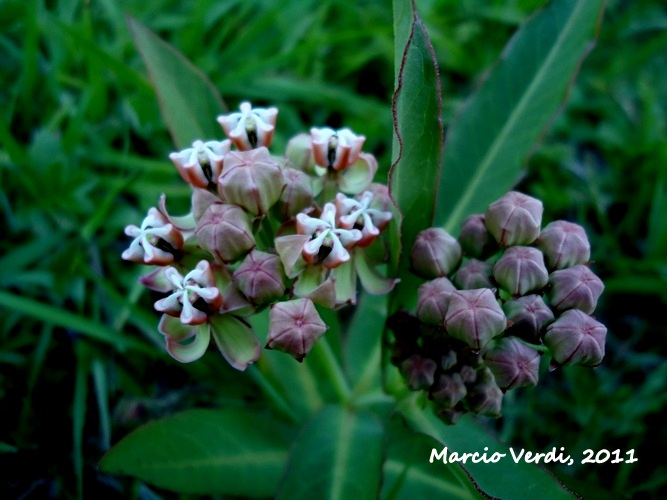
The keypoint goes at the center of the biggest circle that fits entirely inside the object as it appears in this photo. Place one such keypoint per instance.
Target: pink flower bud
(576, 339)
(433, 301)
(564, 244)
(528, 315)
(475, 240)
(418, 372)
(251, 180)
(468, 374)
(260, 277)
(448, 360)
(474, 317)
(155, 242)
(298, 193)
(335, 149)
(202, 199)
(435, 253)
(294, 328)
(224, 231)
(513, 363)
(201, 164)
(514, 219)
(299, 154)
(251, 128)
(521, 270)
(486, 398)
(449, 390)
(474, 274)
(575, 288)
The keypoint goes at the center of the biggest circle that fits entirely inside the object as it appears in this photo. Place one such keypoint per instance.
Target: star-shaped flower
(201, 164)
(155, 242)
(336, 149)
(328, 243)
(358, 214)
(194, 296)
(251, 128)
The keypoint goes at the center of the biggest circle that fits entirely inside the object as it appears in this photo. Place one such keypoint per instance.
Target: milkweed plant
(473, 294)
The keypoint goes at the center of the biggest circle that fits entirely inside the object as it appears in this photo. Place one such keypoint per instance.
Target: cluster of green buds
(497, 298)
(289, 232)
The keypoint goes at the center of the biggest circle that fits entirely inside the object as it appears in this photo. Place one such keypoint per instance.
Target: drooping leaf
(417, 146)
(230, 451)
(503, 479)
(188, 100)
(490, 141)
(338, 455)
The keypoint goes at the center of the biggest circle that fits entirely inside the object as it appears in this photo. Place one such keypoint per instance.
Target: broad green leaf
(363, 344)
(497, 129)
(188, 100)
(338, 455)
(417, 146)
(408, 474)
(495, 479)
(230, 451)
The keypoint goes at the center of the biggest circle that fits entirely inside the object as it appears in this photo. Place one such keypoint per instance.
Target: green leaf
(188, 100)
(492, 138)
(408, 473)
(417, 147)
(338, 455)
(363, 344)
(230, 451)
(65, 319)
(304, 386)
(495, 479)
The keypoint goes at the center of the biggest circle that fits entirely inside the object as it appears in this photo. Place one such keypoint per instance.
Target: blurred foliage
(83, 153)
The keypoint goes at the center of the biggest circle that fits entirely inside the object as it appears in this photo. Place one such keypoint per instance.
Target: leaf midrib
(509, 125)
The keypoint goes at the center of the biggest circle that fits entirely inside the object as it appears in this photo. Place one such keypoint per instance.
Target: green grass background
(83, 152)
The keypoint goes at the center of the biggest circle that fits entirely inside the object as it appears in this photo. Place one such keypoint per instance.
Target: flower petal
(289, 250)
(192, 351)
(372, 281)
(235, 340)
(359, 175)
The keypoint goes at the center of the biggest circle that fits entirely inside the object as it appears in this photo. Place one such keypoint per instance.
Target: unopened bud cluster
(496, 298)
(281, 231)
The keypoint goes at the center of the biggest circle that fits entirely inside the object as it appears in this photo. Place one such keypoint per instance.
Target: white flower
(154, 242)
(328, 243)
(201, 164)
(197, 284)
(335, 149)
(358, 214)
(251, 128)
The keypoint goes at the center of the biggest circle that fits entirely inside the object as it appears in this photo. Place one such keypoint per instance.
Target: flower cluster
(497, 298)
(287, 232)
